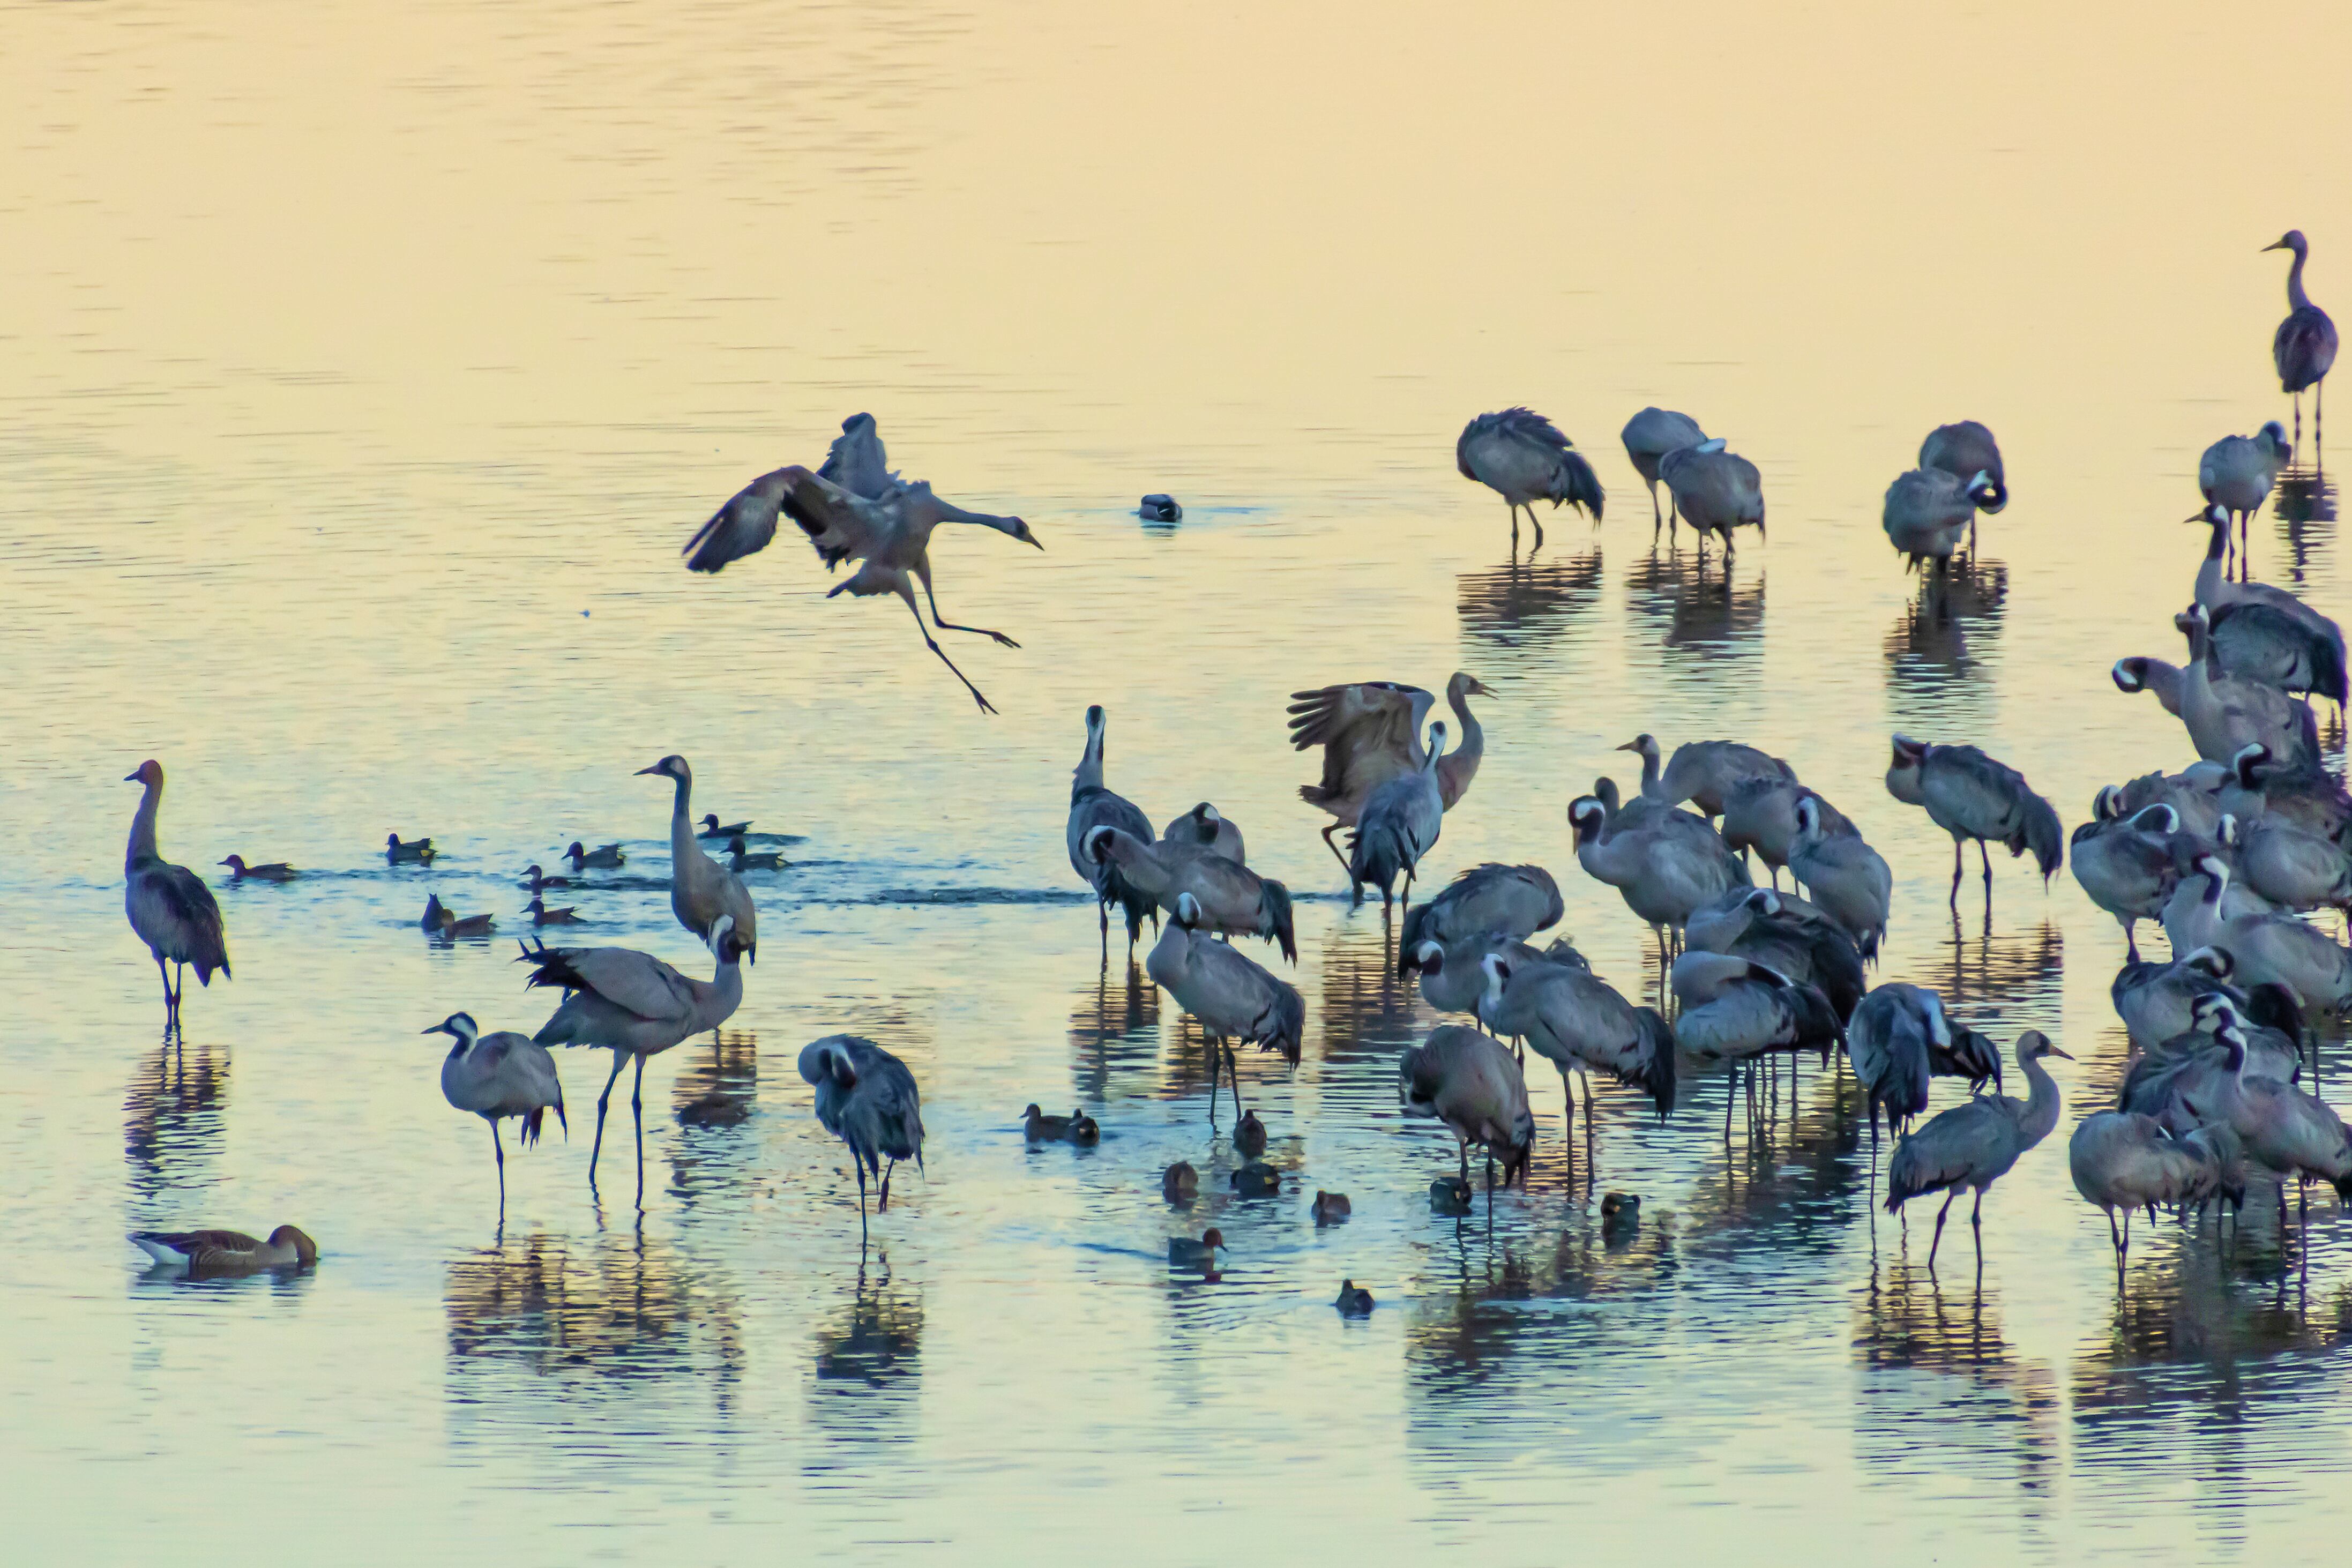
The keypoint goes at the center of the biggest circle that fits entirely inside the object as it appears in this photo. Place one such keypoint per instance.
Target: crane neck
(2296, 299)
(1088, 774)
(1650, 784)
(2209, 571)
(2040, 1116)
(142, 829)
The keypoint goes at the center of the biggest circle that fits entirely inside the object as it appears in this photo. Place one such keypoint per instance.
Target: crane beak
(655, 769)
(2054, 1050)
(1630, 746)
(2274, 245)
(131, 778)
(436, 1029)
(1480, 688)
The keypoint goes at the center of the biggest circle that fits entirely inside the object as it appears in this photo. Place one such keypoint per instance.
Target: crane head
(459, 1024)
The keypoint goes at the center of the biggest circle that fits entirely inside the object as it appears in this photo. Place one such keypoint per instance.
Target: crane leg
(170, 1003)
(1216, 1063)
(2131, 943)
(1334, 847)
(985, 706)
(1730, 1092)
(1956, 875)
(1938, 1238)
(884, 1206)
(1514, 529)
(1985, 855)
(951, 627)
(501, 1150)
(1234, 1079)
(619, 1059)
(1539, 528)
(1464, 1153)
(1976, 1224)
(858, 1162)
(1657, 517)
(637, 1114)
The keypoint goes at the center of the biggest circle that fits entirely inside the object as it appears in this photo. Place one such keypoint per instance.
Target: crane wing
(635, 982)
(742, 527)
(1370, 732)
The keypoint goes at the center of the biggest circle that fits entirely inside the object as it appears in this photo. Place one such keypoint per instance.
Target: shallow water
(368, 378)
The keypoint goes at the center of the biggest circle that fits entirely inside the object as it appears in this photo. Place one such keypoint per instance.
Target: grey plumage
(1206, 827)
(2265, 945)
(1519, 900)
(1717, 491)
(1231, 994)
(1927, 510)
(2288, 865)
(1452, 972)
(500, 1075)
(1759, 814)
(1963, 451)
(1666, 868)
(1846, 878)
(1399, 824)
(1523, 457)
(1975, 1144)
(2290, 634)
(701, 889)
(867, 1099)
(1888, 1040)
(2129, 866)
(1733, 1009)
(2157, 1000)
(1650, 436)
(2122, 1161)
(1232, 899)
(1574, 1018)
(1703, 773)
(1468, 1081)
(170, 907)
(1971, 796)
(1787, 934)
(1093, 806)
(2303, 350)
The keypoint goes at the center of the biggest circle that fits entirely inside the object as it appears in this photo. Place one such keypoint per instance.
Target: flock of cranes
(2229, 855)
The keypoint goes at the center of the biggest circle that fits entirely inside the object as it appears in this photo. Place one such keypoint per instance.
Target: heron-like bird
(2287, 1134)
(1467, 1081)
(1519, 901)
(1399, 824)
(2194, 793)
(1971, 796)
(1574, 1018)
(1848, 880)
(1927, 510)
(227, 1251)
(1231, 994)
(1205, 827)
(1232, 899)
(1666, 868)
(1093, 806)
(276, 871)
(1787, 934)
(634, 1006)
(888, 534)
(2264, 945)
(867, 1099)
(2121, 1160)
(170, 907)
(1963, 451)
(2225, 713)
(1370, 731)
(1974, 1145)
(2264, 631)
(2137, 674)
(2304, 348)
(1520, 456)
(2157, 1000)
(1703, 773)
(1453, 973)
(2288, 864)
(2128, 866)
(701, 889)
(1759, 814)
(1900, 1037)
(2258, 785)
(2236, 473)
(1734, 1009)
(1716, 490)
(1650, 436)
(493, 1076)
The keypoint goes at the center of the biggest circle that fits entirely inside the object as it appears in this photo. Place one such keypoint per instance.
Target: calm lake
(367, 372)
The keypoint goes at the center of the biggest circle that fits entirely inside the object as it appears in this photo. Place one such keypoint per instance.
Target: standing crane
(170, 907)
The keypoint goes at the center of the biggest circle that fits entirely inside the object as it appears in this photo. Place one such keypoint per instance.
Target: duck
(1043, 1129)
(1179, 1182)
(1621, 1216)
(1249, 1135)
(539, 882)
(415, 852)
(765, 860)
(440, 920)
(1157, 508)
(713, 829)
(1449, 1194)
(1331, 1208)
(540, 915)
(1183, 1252)
(1084, 1130)
(604, 858)
(276, 871)
(1354, 1301)
(1257, 1180)
(227, 1251)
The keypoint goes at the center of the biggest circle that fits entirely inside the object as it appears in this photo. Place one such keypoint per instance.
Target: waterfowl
(1649, 436)
(1257, 1180)
(539, 882)
(169, 907)
(701, 891)
(1522, 457)
(604, 858)
(500, 1075)
(1354, 1301)
(1330, 1209)
(540, 915)
(1157, 508)
(1249, 1134)
(415, 852)
(1040, 1128)
(866, 1098)
(713, 829)
(440, 920)
(740, 859)
(1183, 1252)
(1449, 1194)
(276, 871)
(1205, 827)
(1179, 1182)
(1084, 1130)
(227, 1251)
(1620, 1214)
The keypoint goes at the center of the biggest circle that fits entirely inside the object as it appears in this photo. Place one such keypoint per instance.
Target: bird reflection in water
(2304, 502)
(869, 1361)
(1939, 651)
(592, 1318)
(2002, 982)
(1711, 625)
(1366, 1009)
(1940, 1392)
(718, 1090)
(171, 1115)
(1115, 1036)
(1525, 609)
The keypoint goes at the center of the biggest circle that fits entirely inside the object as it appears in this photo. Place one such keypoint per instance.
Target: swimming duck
(1183, 1252)
(227, 1251)
(1354, 1299)
(604, 858)
(435, 914)
(1084, 1131)
(540, 915)
(276, 871)
(1157, 508)
(1257, 1180)
(711, 827)
(1249, 1137)
(1449, 1194)
(1043, 1129)
(765, 860)
(1331, 1208)
(1621, 1216)
(442, 921)
(415, 852)
(1178, 1182)
(539, 882)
